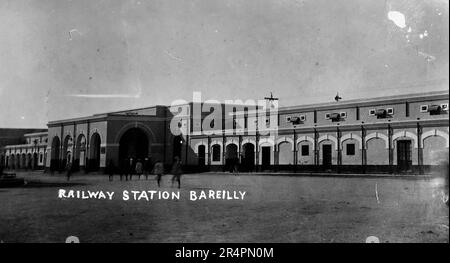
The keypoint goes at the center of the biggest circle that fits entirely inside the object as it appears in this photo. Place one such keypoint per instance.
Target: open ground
(275, 209)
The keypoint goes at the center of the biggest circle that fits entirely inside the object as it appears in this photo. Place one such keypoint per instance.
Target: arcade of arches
(330, 153)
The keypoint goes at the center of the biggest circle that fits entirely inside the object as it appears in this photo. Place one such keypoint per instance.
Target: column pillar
(295, 161)
(363, 149)
(88, 146)
(239, 150)
(391, 151)
(224, 152)
(316, 149)
(276, 156)
(339, 150)
(419, 148)
(257, 152)
(209, 152)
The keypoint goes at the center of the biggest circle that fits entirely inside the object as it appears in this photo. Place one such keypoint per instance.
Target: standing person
(126, 168)
(176, 171)
(236, 166)
(122, 168)
(68, 170)
(158, 170)
(130, 168)
(139, 168)
(147, 166)
(111, 170)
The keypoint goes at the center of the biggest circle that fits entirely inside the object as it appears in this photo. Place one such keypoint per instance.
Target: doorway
(404, 161)
(265, 159)
(326, 155)
(201, 156)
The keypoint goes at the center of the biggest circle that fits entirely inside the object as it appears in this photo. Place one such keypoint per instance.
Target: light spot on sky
(72, 31)
(427, 57)
(398, 18)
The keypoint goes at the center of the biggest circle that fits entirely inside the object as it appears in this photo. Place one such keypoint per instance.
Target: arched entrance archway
(134, 143)
(248, 157)
(94, 152)
(55, 161)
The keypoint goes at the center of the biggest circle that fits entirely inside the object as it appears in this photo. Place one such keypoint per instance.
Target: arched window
(216, 153)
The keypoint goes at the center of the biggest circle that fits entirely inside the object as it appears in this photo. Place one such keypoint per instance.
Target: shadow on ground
(49, 184)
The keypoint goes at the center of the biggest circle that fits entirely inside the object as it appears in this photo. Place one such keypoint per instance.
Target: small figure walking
(130, 168)
(158, 170)
(236, 166)
(68, 170)
(111, 170)
(124, 169)
(147, 167)
(139, 169)
(176, 171)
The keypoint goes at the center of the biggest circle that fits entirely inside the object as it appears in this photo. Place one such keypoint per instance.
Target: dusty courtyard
(275, 209)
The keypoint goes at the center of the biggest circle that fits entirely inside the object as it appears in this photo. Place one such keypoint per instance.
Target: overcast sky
(62, 59)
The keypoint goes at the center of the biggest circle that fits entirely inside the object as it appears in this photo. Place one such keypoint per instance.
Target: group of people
(129, 167)
(233, 165)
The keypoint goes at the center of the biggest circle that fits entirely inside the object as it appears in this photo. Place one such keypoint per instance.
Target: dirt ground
(275, 209)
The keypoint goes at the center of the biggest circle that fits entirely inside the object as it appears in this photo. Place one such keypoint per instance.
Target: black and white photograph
(225, 122)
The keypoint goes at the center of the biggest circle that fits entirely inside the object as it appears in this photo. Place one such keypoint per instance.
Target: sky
(69, 58)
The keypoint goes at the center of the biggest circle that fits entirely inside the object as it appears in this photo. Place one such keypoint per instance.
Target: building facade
(401, 134)
(29, 155)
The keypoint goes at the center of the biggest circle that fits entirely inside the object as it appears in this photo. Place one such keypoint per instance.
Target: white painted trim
(201, 143)
(232, 141)
(247, 140)
(406, 134)
(377, 135)
(435, 132)
(308, 139)
(213, 142)
(285, 139)
(328, 137)
(351, 136)
(265, 141)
